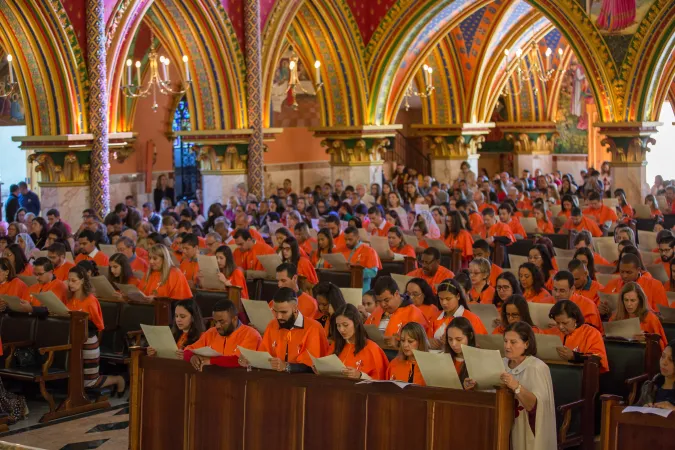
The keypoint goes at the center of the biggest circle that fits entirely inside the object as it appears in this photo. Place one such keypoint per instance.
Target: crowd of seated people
(157, 249)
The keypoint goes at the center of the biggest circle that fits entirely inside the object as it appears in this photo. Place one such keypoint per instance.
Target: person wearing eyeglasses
(479, 273)
(515, 309)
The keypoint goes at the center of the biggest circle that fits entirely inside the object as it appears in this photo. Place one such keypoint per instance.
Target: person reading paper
(225, 337)
(287, 277)
(229, 274)
(248, 249)
(431, 271)
(187, 327)
(459, 332)
(454, 303)
(57, 255)
(634, 303)
(659, 392)
(359, 254)
(164, 279)
(403, 367)
(292, 336)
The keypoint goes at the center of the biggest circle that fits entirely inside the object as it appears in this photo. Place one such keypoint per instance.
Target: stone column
(452, 145)
(533, 145)
(629, 142)
(256, 176)
(98, 108)
(357, 153)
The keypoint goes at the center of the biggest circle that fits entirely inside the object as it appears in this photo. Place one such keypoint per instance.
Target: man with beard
(227, 334)
(333, 224)
(291, 337)
(359, 254)
(666, 251)
(287, 277)
(629, 270)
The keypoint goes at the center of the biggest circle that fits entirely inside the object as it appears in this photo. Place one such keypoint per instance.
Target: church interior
(103, 103)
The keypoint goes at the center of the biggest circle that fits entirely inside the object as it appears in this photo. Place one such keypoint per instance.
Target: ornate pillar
(256, 161)
(98, 107)
(533, 145)
(357, 153)
(451, 145)
(628, 142)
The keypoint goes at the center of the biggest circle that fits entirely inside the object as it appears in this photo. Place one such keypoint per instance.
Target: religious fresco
(572, 116)
(618, 17)
(284, 115)
(11, 107)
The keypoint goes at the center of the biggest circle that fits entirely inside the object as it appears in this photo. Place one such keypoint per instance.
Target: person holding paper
(359, 254)
(127, 247)
(505, 286)
(515, 309)
(506, 217)
(81, 298)
(290, 252)
(358, 353)
(18, 259)
(57, 255)
(397, 245)
(601, 214)
(578, 338)
(481, 249)
(88, 250)
(529, 378)
(292, 336)
(187, 327)
(585, 240)
(457, 236)
(423, 298)
(479, 274)
(333, 225)
(396, 311)
(563, 289)
(287, 277)
(324, 240)
(544, 226)
(225, 337)
(163, 279)
(431, 271)
(634, 303)
(43, 270)
(532, 283)
(495, 230)
(454, 303)
(120, 271)
(659, 392)
(403, 367)
(9, 283)
(329, 299)
(230, 274)
(459, 332)
(280, 236)
(248, 249)
(369, 306)
(378, 225)
(629, 270)
(579, 223)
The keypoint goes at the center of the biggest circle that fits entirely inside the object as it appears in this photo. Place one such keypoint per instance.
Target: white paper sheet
(336, 260)
(539, 313)
(529, 224)
(259, 313)
(102, 287)
(438, 369)
(375, 335)
(364, 235)
(270, 263)
(380, 245)
(51, 302)
(207, 352)
(401, 384)
(491, 342)
(12, 301)
(401, 281)
(107, 249)
(487, 312)
(644, 410)
(328, 365)
(210, 282)
(161, 339)
(484, 366)
(353, 296)
(626, 329)
(28, 279)
(208, 264)
(547, 345)
(132, 292)
(438, 244)
(259, 360)
(411, 240)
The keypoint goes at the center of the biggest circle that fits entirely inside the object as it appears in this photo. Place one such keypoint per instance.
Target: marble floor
(102, 430)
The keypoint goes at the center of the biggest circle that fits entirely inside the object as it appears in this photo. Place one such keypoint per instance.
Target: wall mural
(572, 116)
(620, 17)
(308, 113)
(11, 107)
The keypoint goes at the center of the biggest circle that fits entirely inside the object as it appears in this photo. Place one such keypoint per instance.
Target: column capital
(453, 141)
(628, 142)
(356, 146)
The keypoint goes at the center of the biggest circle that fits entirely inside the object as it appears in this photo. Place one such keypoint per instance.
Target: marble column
(628, 143)
(69, 198)
(256, 176)
(98, 107)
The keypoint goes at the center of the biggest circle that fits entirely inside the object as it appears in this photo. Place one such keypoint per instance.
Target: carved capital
(71, 171)
(524, 144)
(220, 160)
(359, 152)
(452, 147)
(628, 150)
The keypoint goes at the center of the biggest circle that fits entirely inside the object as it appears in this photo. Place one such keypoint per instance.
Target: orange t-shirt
(586, 340)
(545, 227)
(654, 290)
(306, 270)
(592, 292)
(600, 261)
(407, 250)
(585, 224)
(495, 271)
(61, 272)
(588, 308)
(400, 369)
(441, 274)
(27, 271)
(442, 322)
(190, 269)
(139, 265)
(382, 232)
(239, 280)
(516, 227)
(89, 305)
(402, 316)
(364, 256)
(430, 312)
(100, 258)
(295, 345)
(245, 336)
(56, 286)
(463, 241)
(339, 244)
(476, 222)
(499, 229)
(15, 288)
(254, 234)
(542, 297)
(602, 214)
(485, 296)
(249, 260)
(371, 360)
(176, 286)
(651, 324)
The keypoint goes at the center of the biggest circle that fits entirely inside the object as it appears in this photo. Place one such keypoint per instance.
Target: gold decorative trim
(523, 145)
(459, 149)
(64, 184)
(360, 155)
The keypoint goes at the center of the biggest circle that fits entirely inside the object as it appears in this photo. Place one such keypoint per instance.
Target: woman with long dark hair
(532, 282)
(459, 332)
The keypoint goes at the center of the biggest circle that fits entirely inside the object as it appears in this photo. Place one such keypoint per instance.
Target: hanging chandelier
(294, 85)
(9, 86)
(428, 87)
(157, 82)
(525, 73)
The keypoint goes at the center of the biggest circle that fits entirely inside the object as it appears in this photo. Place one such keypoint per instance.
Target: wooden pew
(629, 431)
(259, 410)
(205, 299)
(343, 279)
(52, 336)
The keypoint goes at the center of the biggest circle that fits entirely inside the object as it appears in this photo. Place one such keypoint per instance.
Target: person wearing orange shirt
(306, 242)
(459, 332)
(43, 270)
(163, 279)
(120, 271)
(359, 254)
(514, 309)
(666, 253)
(532, 283)
(481, 204)
(290, 252)
(397, 310)
(248, 249)
(225, 337)
(398, 249)
(213, 241)
(241, 223)
(187, 328)
(578, 222)
(423, 298)
(544, 226)
(456, 235)
(584, 239)
(57, 255)
(88, 250)
(404, 367)
(291, 337)
(81, 298)
(495, 230)
(481, 249)
(333, 224)
(584, 285)
(431, 271)
(601, 214)
(633, 303)
(378, 226)
(579, 339)
(479, 273)
(9, 283)
(229, 274)
(454, 304)
(127, 247)
(363, 358)
(287, 277)
(629, 270)
(190, 264)
(563, 289)
(506, 217)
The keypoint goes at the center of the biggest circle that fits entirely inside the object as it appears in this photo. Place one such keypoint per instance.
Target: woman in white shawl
(27, 245)
(530, 380)
(434, 231)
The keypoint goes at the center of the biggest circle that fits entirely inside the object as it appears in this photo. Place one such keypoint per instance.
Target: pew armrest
(9, 348)
(135, 336)
(50, 357)
(566, 411)
(634, 383)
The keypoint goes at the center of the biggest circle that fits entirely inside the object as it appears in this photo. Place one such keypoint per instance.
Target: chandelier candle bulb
(128, 72)
(548, 58)
(317, 67)
(163, 62)
(11, 73)
(187, 70)
(431, 77)
(138, 73)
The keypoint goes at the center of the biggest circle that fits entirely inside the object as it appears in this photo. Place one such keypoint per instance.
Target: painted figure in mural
(615, 15)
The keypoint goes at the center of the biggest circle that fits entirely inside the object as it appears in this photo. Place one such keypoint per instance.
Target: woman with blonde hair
(633, 303)
(404, 367)
(163, 278)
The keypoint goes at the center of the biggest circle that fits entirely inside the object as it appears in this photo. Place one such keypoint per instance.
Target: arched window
(188, 178)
